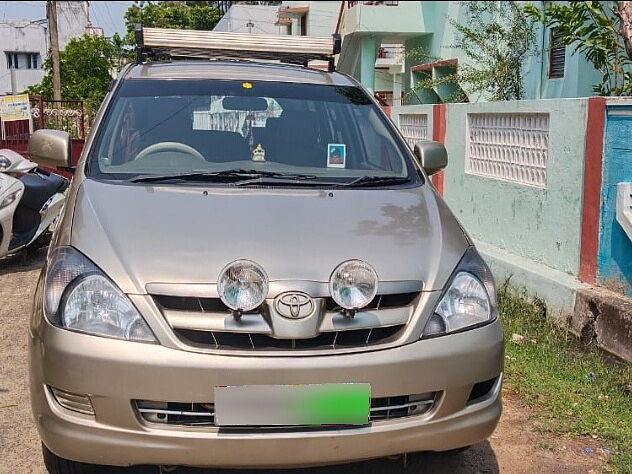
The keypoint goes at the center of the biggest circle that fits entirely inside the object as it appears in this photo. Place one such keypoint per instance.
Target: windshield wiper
(287, 179)
(244, 177)
(363, 181)
(233, 175)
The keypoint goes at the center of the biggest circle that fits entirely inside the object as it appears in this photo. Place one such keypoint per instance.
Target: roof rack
(163, 43)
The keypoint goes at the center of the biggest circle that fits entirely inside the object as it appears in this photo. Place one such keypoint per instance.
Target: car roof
(239, 70)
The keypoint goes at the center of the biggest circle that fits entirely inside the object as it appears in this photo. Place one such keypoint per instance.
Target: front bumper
(114, 373)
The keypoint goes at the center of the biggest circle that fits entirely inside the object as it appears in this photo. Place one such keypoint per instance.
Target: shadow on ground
(22, 262)
(478, 459)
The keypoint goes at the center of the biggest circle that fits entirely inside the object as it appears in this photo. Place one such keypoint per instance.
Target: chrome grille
(206, 305)
(253, 341)
(206, 323)
(203, 414)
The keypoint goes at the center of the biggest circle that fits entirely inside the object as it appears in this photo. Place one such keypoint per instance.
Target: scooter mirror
(50, 148)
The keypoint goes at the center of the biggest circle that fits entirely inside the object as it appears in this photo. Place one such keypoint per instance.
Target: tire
(56, 465)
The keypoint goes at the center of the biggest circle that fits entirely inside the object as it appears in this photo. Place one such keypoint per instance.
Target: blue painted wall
(615, 248)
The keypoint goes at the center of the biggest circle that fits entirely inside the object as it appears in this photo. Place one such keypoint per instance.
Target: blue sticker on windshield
(336, 155)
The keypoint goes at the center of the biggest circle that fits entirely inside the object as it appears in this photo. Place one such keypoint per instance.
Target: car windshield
(165, 129)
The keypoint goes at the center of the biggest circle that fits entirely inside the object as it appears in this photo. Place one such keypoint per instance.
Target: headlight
(353, 284)
(10, 199)
(5, 163)
(79, 297)
(469, 301)
(242, 285)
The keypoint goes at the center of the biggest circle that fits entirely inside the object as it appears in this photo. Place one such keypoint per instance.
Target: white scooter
(31, 199)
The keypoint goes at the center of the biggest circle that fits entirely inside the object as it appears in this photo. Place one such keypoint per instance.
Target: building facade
(308, 18)
(367, 27)
(24, 44)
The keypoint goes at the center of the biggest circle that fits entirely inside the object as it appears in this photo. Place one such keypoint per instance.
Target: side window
(381, 152)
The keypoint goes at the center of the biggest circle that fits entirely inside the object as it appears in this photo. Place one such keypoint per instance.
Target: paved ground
(514, 448)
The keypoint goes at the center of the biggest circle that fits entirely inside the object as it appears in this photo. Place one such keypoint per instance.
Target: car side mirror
(432, 156)
(50, 148)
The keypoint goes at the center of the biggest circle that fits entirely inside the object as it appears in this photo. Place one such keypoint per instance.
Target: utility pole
(51, 14)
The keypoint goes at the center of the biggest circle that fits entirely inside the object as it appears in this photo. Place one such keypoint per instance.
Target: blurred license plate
(298, 405)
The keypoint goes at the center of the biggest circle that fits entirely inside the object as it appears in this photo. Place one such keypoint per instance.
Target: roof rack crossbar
(158, 43)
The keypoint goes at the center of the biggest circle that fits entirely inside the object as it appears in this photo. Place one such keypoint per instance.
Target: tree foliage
(192, 15)
(87, 63)
(86, 67)
(599, 30)
(496, 39)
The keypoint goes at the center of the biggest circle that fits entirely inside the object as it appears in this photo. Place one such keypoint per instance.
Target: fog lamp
(242, 285)
(353, 284)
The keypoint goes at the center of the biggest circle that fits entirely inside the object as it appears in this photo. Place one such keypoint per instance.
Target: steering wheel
(169, 146)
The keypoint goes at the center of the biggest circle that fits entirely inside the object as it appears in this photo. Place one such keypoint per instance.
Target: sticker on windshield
(336, 155)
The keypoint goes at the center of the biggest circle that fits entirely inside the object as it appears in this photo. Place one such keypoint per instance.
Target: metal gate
(66, 115)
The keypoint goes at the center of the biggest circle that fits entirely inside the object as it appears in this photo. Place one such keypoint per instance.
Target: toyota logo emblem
(294, 305)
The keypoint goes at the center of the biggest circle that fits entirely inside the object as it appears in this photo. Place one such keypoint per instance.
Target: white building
(24, 44)
(256, 19)
(309, 18)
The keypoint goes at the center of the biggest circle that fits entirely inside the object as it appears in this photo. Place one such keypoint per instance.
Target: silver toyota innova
(254, 270)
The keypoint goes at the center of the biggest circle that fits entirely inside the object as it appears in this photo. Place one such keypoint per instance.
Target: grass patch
(579, 391)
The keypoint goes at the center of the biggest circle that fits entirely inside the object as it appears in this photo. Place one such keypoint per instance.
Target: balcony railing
(390, 52)
(388, 98)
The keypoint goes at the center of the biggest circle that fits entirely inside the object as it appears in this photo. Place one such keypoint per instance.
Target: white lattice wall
(512, 147)
(414, 127)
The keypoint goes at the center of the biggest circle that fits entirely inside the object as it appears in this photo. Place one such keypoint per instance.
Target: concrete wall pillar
(591, 202)
(438, 135)
(397, 89)
(367, 62)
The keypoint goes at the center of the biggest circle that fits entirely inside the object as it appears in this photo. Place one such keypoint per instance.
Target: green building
(376, 36)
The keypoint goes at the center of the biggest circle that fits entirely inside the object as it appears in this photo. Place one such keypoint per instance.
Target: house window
(303, 25)
(557, 55)
(32, 60)
(23, 60)
(12, 61)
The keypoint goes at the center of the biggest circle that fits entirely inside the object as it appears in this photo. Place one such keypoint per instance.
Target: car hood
(141, 234)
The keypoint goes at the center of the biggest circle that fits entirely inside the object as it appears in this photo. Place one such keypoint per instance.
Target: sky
(108, 15)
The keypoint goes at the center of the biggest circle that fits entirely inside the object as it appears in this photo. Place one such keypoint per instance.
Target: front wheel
(56, 465)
